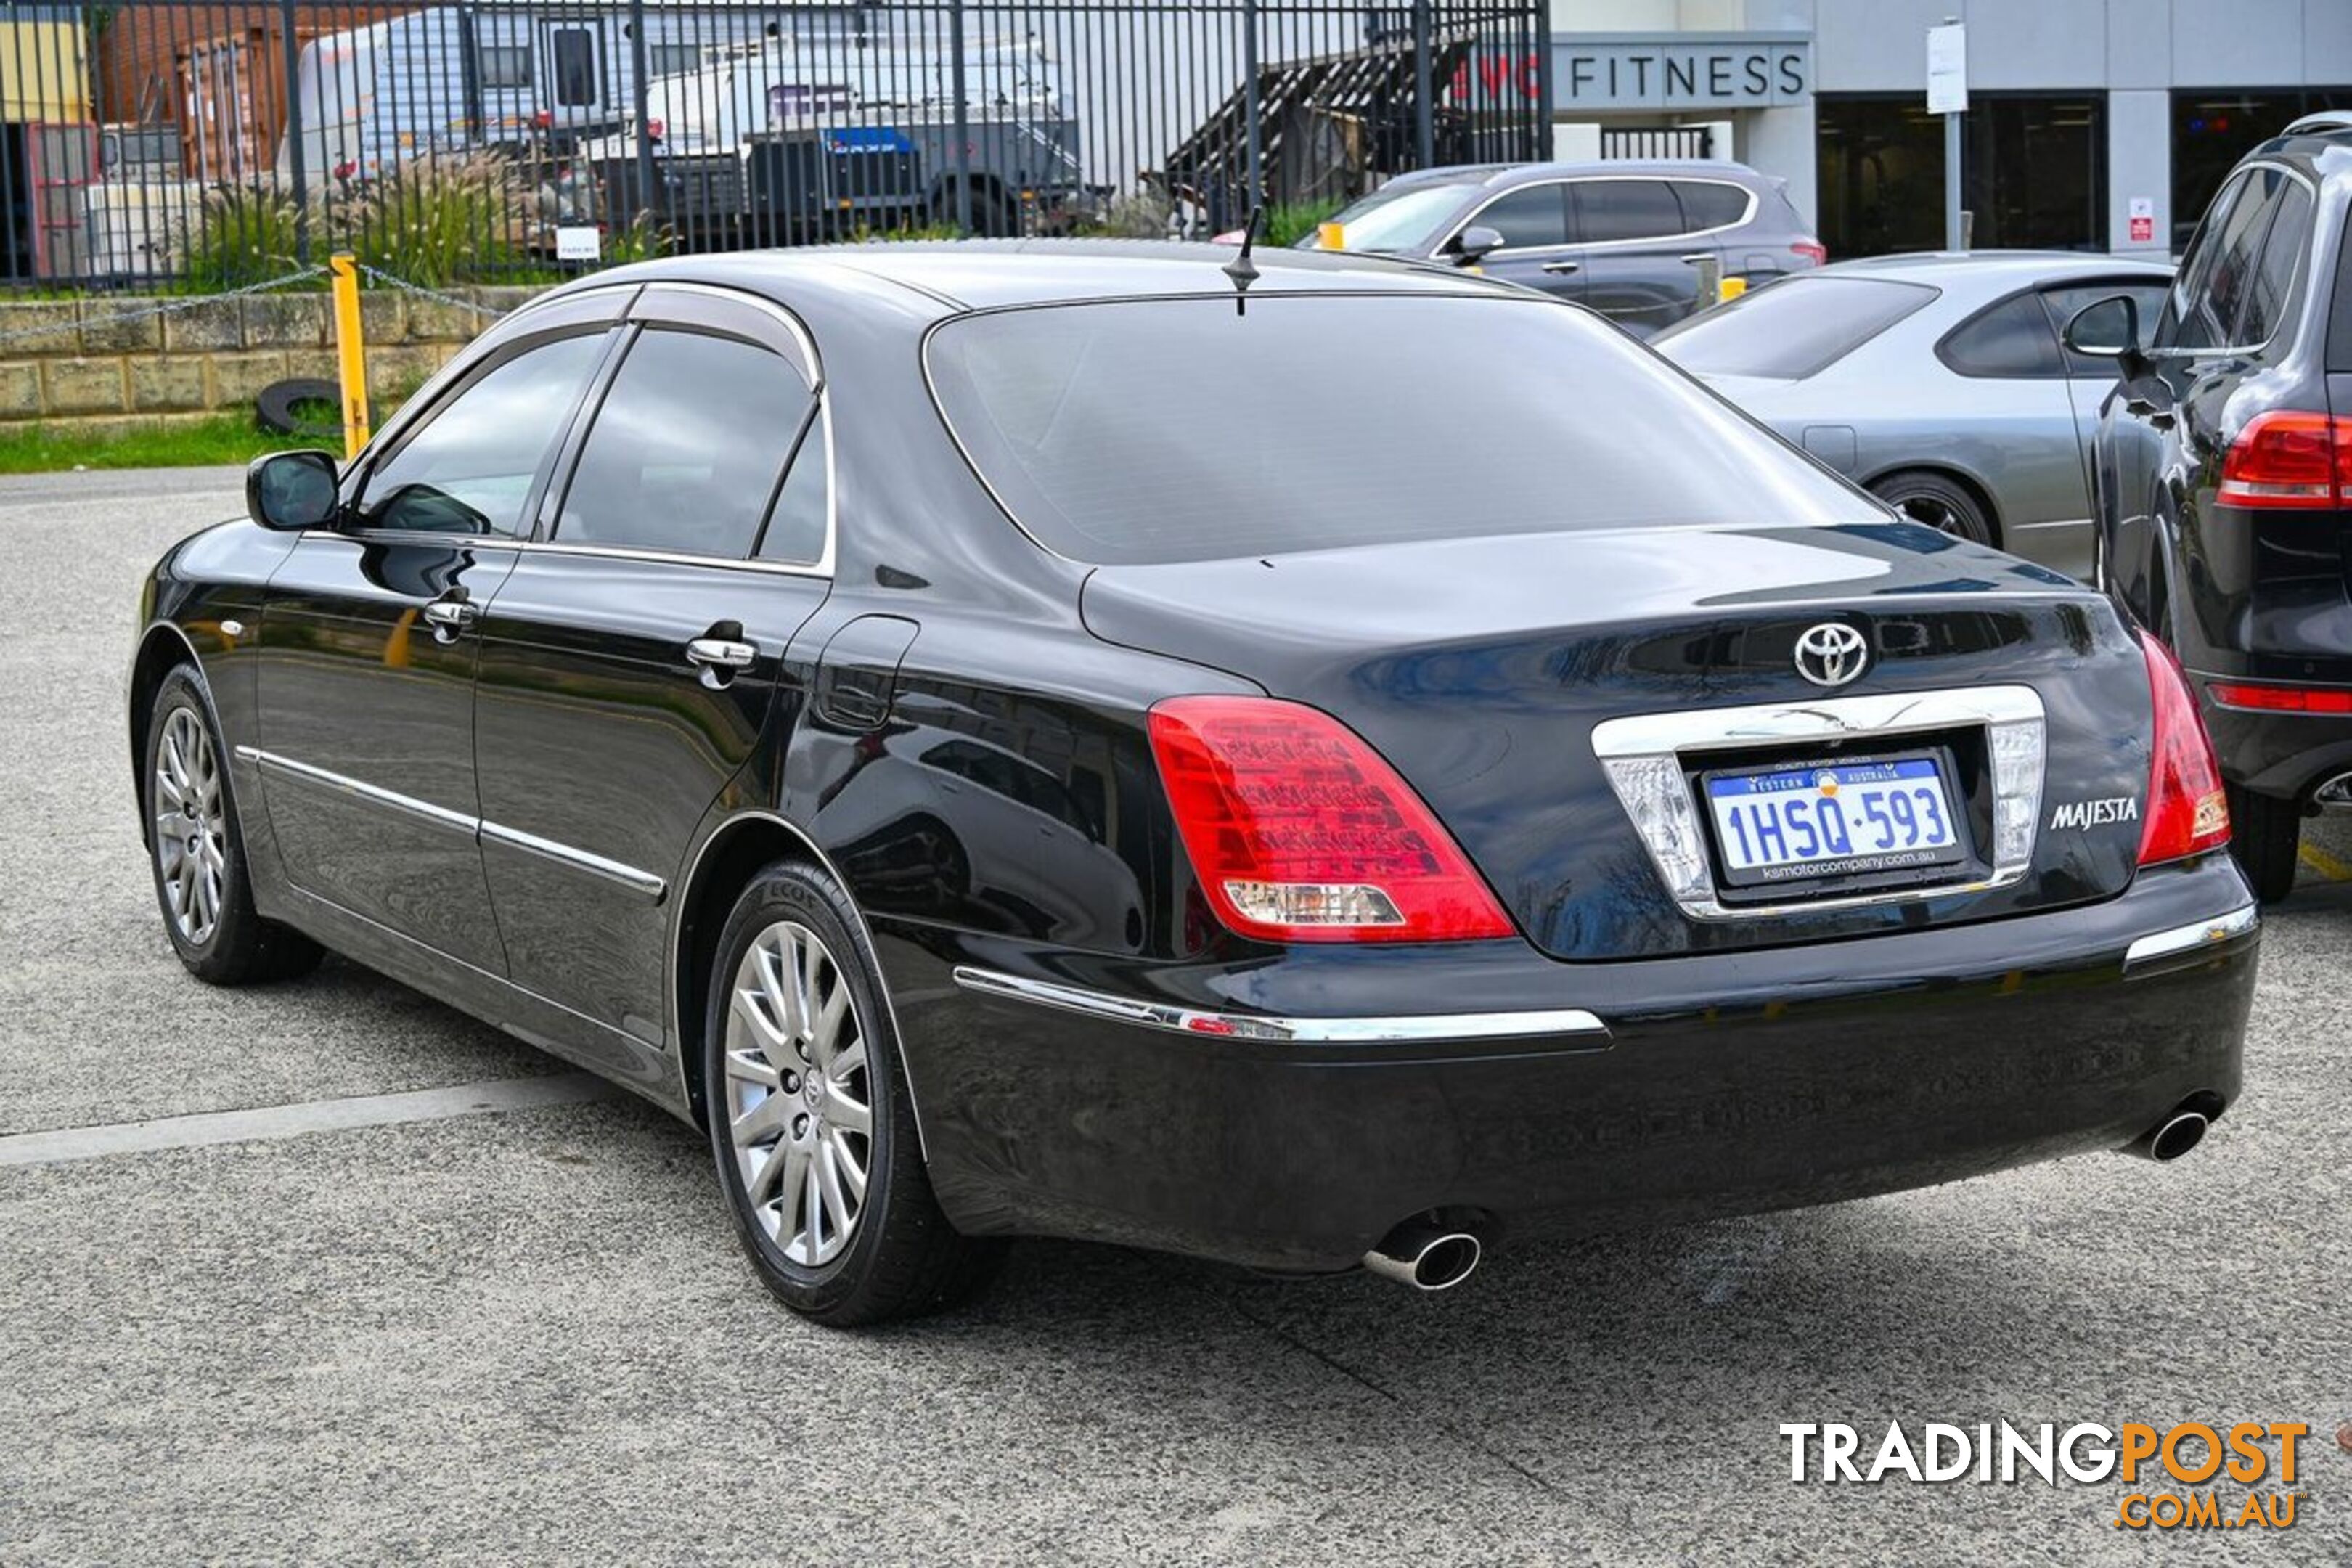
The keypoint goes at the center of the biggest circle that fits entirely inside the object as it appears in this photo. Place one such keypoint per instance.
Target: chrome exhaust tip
(1425, 1256)
(2171, 1137)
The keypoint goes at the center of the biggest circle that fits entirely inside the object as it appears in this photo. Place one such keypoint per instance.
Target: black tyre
(1943, 504)
(812, 1127)
(196, 847)
(2264, 834)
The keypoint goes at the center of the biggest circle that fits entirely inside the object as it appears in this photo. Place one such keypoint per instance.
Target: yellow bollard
(351, 354)
(1731, 289)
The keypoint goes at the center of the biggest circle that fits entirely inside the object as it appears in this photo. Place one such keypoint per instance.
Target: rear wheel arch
(736, 851)
(1974, 487)
(163, 649)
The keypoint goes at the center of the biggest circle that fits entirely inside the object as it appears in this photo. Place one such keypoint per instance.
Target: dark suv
(1623, 237)
(2222, 479)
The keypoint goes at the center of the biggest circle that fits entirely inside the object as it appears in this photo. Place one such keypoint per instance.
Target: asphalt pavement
(327, 1271)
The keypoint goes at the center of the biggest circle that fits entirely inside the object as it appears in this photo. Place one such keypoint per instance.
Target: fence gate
(481, 140)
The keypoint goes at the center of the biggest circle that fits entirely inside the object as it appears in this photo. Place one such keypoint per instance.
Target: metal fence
(213, 144)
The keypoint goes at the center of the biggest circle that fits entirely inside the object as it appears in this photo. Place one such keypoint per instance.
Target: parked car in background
(2224, 480)
(1623, 237)
(864, 701)
(1938, 381)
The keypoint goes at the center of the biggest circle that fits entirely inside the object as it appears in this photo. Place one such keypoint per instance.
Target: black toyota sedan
(1086, 741)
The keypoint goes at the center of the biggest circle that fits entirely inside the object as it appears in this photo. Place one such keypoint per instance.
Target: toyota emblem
(1831, 654)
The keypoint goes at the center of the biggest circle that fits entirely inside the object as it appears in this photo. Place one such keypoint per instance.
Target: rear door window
(686, 450)
(2011, 340)
(2272, 293)
(1610, 210)
(2219, 273)
(1530, 216)
(1791, 328)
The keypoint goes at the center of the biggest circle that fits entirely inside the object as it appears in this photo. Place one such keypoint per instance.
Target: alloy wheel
(799, 1101)
(1935, 512)
(191, 826)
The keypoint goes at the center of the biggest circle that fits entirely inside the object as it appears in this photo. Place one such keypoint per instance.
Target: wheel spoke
(847, 1062)
(749, 1067)
(771, 1116)
(853, 1174)
(847, 1114)
(752, 1006)
(813, 1197)
(167, 788)
(827, 1028)
(779, 1176)
(208, 899)
(777, 989)
(828, 1178)
(806, 957)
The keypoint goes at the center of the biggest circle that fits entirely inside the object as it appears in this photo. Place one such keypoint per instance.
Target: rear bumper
(2288, 756)
(1580, 1097)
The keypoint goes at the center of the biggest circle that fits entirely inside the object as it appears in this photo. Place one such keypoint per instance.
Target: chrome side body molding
(644, 882)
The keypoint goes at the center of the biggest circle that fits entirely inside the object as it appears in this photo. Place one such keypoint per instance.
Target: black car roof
(974, 274)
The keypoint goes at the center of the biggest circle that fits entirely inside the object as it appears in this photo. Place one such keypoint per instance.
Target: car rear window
(1159, 430)
(1793, 329)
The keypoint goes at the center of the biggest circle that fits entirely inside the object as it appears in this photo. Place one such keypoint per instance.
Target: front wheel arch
(162, 649)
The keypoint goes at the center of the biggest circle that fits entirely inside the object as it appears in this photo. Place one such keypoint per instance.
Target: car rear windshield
(1793, 329)
(1159, 430)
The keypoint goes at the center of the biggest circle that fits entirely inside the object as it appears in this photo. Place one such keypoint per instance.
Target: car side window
(796, 527)
(472, 466)
(685, 452)
(2205, 311)
(2271, 293)
(2065, 301)
(1708, 205)
(1626, 209)
(1532, 214)
(2011, 339)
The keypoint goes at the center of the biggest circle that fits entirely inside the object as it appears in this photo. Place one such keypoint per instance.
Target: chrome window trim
(1205, 1025)
(557, 547)
(473, 827)
(1643, 756)
(1517, 250)
(2242, 921)
(2302, 269)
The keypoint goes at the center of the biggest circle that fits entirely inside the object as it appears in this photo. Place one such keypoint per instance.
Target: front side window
(1532, 214)
(2011, 340)
(472, 467)
(1136, 431)
(1626, 209)
(686, 449)
(2219, 269)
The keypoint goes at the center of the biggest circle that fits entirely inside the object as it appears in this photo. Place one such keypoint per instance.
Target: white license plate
(1833, 820)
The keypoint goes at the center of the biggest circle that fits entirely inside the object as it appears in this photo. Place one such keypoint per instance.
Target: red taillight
(1300, 832)
(1813, 250)
(2282, 698)
(2188, 812)
(656, 130)
(2288, 458)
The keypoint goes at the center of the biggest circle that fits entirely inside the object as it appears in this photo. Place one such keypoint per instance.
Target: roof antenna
(1240, 268)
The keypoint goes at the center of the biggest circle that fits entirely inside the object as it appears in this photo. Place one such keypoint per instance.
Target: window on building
(2212, 128)
(2033, 172)
(505, 67)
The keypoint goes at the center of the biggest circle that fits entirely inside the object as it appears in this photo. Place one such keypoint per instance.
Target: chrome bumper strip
(2238, 922)
(473, 827)
(1253, 1026)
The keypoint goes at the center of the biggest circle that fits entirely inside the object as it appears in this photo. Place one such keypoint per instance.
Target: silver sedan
(1938, 381)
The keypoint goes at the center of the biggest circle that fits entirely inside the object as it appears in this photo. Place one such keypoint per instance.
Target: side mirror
(291, 491)
(1471, 246)
(2104, 329)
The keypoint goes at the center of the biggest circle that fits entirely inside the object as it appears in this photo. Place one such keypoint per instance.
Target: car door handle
(722, 653)
(449, 617)
(1563, 266)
